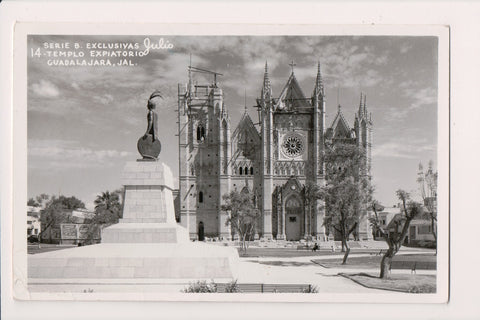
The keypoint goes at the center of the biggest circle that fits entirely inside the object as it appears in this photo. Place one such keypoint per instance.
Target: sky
(84, 121)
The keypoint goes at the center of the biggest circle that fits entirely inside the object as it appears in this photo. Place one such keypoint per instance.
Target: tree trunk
(434, 233)
(347, 251)
(386, 264)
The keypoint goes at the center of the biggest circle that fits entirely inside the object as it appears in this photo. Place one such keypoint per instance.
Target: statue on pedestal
(148, 145)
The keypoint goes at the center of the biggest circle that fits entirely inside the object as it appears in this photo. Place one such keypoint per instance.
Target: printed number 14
(36, 53)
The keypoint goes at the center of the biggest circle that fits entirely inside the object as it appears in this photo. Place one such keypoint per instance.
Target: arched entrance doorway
(293, 218)
(201, 232)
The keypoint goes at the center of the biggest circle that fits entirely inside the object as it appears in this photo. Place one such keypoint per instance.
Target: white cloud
(406, 149)
(104, 99)
(69, 154)
(45, 88)
(415, 96)
(422, 97)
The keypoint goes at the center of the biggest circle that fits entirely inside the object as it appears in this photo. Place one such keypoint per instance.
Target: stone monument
(147, 243)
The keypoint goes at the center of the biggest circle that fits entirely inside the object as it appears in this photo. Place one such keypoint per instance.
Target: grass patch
(410, 283)
(254, 252)
(370, 262)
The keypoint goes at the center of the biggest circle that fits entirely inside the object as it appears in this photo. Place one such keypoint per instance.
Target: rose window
(292, 146)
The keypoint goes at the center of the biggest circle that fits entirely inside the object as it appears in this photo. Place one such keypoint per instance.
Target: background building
(33, 221)
(274, 159)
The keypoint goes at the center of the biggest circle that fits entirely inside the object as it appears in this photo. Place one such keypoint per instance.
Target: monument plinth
(147, 243)
(148, 212)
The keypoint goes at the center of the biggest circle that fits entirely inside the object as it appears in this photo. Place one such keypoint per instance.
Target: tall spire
(319, 81)
(365, 104)
(267, 89)
(190, 80)
(362, 109)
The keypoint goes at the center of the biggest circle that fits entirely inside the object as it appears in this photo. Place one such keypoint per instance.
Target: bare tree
(396, 233)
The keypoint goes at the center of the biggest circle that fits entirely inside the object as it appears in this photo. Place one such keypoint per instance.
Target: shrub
(425, 288)
(232, 287)
(201, 287)
(311, 289)
(423, 244)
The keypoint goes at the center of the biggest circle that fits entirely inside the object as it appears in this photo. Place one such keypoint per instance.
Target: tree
(31, 202)
(55, 211)
(108, 207)
(243, 215)
(108, 210)
(312, 194)
(347, 190)
(39, 200)
(397, 228)
(428, 189)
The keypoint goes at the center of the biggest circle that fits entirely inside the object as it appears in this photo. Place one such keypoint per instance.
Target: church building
(276, 159)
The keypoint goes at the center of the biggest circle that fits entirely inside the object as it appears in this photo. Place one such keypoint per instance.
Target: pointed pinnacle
(245, 101)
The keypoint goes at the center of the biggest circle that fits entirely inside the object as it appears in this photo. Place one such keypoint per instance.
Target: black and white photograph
(239, 160)
(271, 167)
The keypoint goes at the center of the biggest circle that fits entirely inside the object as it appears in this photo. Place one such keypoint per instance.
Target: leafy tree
(42, 199)
(397, 230)
(39, 200)
(31, 202)
(347, 190)
(108, 210)
(312, 194)
(243, 214)
(427, 181)
(56, 211)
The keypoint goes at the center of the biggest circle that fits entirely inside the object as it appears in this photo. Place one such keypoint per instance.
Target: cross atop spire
(292, 64)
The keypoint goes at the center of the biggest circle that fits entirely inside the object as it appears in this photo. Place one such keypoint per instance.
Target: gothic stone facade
(274, 161)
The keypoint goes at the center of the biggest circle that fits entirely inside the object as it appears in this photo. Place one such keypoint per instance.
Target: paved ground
(295, 270)
(268, 265)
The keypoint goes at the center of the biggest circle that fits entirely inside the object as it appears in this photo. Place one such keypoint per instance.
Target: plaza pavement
(267, 270)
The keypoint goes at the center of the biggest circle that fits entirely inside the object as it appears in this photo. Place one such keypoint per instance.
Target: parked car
(32, 239)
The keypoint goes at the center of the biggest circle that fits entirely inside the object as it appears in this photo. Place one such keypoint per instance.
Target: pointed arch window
(246, 171)
(200, 133)
(251, 171)
(240, 171)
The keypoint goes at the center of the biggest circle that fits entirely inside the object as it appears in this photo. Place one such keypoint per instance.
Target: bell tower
(203, 132)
